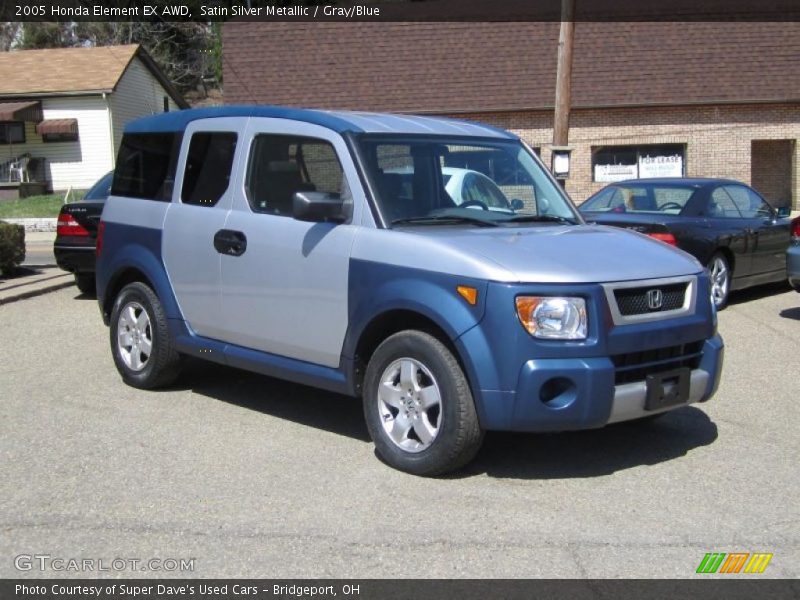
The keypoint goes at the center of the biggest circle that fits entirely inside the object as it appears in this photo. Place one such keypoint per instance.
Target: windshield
(467, 182)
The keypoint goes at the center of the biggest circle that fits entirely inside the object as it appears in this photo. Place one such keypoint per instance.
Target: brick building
(693, 99)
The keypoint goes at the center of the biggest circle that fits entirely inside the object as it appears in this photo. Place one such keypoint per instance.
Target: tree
(188, 52)
(9, 34)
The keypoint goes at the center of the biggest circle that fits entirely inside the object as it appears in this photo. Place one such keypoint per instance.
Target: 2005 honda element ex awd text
(431, 266)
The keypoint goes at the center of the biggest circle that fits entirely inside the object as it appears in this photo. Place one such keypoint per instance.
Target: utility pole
(563, 102)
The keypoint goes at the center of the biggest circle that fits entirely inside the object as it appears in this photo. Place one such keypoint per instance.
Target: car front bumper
(574, 394)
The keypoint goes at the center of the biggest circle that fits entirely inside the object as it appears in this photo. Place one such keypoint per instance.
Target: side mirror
(317, 207)
(783, 212)
(517, 204)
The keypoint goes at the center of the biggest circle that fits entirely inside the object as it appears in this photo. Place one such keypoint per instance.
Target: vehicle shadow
(301, 404)
(596, 452)
(580, 454)
(791, 313)
(758, 292)
(84, 296)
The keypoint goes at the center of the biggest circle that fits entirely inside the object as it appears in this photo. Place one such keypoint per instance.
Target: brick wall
(718, 139)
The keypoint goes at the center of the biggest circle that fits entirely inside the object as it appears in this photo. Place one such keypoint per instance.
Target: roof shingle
(63, 69)
(448, 67)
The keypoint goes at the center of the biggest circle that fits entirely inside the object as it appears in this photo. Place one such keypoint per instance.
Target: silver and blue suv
(327, 248)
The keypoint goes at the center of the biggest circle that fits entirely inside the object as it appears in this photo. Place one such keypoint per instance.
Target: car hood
(566, 254)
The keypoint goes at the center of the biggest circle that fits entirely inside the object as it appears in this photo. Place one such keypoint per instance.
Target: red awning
(57, 126)
(21, 111)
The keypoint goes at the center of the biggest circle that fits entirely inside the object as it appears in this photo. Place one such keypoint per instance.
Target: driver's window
(750, 204)
(757, 207)
(281, 165)
(721, 205)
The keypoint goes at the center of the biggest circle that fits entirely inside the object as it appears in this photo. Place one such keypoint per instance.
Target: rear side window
(146, 165)
(208, 167)
(282, 165)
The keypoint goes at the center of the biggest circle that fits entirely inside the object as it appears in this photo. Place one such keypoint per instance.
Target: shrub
(12, 246)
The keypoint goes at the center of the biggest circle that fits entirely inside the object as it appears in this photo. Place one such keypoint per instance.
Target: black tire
(163, 363)
(458, 434)
(85, 283)
(720, 293)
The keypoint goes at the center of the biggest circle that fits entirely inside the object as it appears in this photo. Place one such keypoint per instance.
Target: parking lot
(251, 476)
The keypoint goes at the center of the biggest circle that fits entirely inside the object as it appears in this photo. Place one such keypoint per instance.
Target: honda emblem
(655, 298)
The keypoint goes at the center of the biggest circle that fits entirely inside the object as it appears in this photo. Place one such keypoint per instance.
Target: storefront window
(616, 163)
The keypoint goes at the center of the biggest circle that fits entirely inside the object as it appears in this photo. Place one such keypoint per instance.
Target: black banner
(399, 10)
(735, 588)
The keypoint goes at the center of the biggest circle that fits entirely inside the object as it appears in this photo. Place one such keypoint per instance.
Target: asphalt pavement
(251, 476)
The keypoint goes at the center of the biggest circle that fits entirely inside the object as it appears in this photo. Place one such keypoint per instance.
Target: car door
(732, 229)
(202, 199)
(287, 294)
(771, 234)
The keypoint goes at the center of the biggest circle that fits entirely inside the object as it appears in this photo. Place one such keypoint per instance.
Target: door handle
(229, 242)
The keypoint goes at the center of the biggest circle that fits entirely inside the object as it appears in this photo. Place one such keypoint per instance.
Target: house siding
(137, 94)
(70, 164)
(101, 120)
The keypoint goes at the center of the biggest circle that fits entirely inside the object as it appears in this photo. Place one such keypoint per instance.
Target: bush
(12, 246)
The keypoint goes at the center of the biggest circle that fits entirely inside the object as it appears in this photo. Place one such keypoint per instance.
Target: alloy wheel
(134, 336)
(409, 405)
(720, 281)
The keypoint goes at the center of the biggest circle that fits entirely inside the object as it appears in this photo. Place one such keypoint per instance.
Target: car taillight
(101, 227)
(667, 238)
(67, 225)
(796, 227)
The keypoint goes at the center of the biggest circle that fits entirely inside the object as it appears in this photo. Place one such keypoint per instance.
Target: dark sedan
(793, 257)
(76, 234)
(725, 224)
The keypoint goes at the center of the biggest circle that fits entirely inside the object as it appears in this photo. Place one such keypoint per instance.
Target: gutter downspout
(111, 130)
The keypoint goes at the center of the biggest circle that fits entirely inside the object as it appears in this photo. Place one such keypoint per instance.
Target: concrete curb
(37, 284)
(37, 224)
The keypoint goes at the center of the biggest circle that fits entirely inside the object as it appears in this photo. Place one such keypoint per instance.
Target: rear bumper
(793, 265)
(573, 394)
(75, 259)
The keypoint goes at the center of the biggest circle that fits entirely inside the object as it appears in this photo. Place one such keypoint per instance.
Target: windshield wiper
(540, 219)
(443, 220)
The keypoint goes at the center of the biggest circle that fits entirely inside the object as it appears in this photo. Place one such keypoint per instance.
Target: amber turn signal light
(470, 294)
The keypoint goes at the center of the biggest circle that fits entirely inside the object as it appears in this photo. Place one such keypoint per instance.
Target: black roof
(695, 181)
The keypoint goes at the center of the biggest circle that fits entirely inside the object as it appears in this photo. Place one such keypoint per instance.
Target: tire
(85, 283)
(720, 280)
(432, 430)
(139, 325)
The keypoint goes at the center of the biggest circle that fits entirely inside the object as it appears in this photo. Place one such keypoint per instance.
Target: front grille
(636, 366)
(634, 301)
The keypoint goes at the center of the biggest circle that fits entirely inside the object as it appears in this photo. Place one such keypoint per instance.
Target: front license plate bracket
(669, 388)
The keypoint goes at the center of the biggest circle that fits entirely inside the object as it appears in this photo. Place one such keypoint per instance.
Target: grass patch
(35, 206)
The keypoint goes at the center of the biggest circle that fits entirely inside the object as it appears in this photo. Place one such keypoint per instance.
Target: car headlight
(553, 317)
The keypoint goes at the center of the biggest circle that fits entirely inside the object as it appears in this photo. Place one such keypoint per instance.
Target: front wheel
(418, 406)
(720, 280)
(140, 341)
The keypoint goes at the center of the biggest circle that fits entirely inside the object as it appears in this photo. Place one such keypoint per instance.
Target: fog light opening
(557, 392)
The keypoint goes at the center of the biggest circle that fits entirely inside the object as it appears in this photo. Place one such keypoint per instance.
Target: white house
(64, 110)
